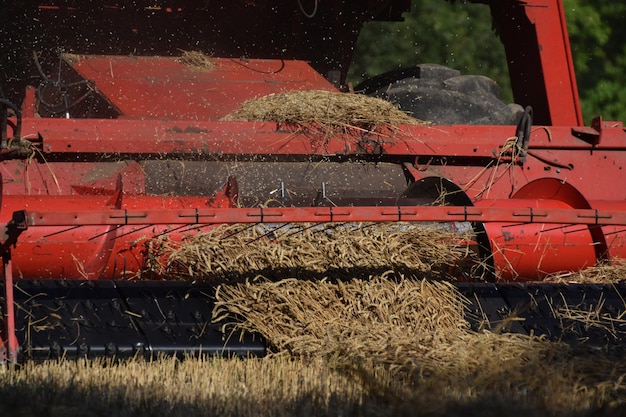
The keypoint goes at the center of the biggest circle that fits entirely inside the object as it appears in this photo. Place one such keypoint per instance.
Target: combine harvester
(111, 141)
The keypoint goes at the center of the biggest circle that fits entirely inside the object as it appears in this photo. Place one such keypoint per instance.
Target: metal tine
(165, 232)
(240, 231)
(193, 227)
(174, 229)
(615, 232)
(116, 228)
(107, 232)
(302, 230)
(564, 227)
(594, 226)
(335, 226)
(543, 230)
(266, 234)
(581, 229)
(329, 226)
(63, 231)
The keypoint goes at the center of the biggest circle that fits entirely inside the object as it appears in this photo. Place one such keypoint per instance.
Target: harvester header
(132, 128)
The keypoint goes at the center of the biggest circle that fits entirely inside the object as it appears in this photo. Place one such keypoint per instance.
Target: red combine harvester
(109, 141)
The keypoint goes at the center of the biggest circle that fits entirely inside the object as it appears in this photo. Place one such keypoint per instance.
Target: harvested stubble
(308, 251)
(329, 111)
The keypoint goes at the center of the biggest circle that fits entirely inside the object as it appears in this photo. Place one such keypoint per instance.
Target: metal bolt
(110, 348)
(56, 348)
(138, 347)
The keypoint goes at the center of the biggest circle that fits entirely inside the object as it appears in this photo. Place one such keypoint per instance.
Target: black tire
(442, 95)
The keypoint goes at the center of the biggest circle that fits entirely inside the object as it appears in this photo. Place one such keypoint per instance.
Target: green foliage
(598, 39)
(459, 35)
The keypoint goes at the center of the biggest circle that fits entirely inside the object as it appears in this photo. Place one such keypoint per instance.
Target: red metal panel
(529, 238)
(615, 235)
(540, 64)
(164, 88)
(470, 156)
(12, 345)
(556, 61)
(511, 211)
(81, 136)
(534, 250)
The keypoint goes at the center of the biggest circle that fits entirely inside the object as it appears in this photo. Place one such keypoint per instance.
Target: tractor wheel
(442, 95)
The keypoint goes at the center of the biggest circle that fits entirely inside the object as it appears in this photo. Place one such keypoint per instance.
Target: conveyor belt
(121, 319)
(72, 319)
(589, 315)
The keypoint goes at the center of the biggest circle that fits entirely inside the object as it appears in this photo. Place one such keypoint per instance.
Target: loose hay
(599, 274)
(408, 324)
(383, 347)
(308, 251)
(329, 111)
(416, 330)
(196, 60)
(367, 318)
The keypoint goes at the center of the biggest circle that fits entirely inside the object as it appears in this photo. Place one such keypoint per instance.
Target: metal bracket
(592, 135)
(10, 346)
(9, 353)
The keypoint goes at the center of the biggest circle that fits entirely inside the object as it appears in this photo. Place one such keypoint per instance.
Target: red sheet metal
(615, 235)
(530, 251)
(511, 211)
(471, 156)
(536, 42)
(199, 136)
(529, 238)
(165, 88)
(12, 344)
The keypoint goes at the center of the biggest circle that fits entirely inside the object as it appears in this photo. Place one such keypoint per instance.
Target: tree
(457, 35)
(598, 39)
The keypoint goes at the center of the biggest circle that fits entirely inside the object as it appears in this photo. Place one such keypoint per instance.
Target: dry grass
(324, 110)
(376, 347)
(382, 345)
(600, 274)
(365, 122)
(308, 251)
(282, 386)
(350, 320)
(416, 330)
(169, 387)
(196, 60)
